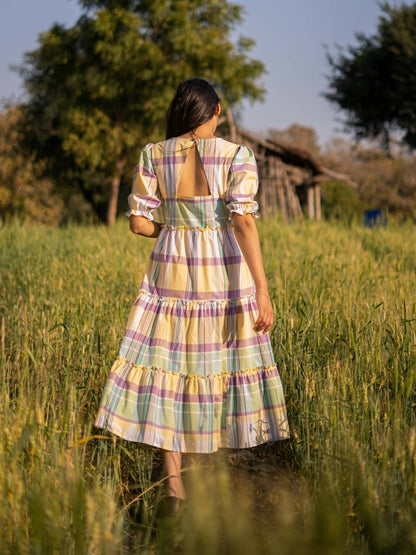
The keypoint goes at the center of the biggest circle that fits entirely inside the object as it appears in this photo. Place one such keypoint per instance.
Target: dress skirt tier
(192, 375)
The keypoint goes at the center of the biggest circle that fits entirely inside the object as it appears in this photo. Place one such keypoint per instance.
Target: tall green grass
(344, 340)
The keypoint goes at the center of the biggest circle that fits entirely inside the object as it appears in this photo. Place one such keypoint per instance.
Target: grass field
(345, 343)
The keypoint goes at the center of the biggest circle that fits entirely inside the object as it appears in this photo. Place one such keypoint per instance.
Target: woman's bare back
(193, 181)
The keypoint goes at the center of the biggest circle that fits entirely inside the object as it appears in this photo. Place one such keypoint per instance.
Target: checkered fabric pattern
(192, 375)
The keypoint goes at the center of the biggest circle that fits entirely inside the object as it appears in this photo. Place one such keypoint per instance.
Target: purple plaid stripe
(209, 346)
(198, 295)
(188, 261)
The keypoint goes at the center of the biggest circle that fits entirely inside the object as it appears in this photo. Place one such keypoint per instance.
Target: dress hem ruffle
(193, 413)
(168, 446)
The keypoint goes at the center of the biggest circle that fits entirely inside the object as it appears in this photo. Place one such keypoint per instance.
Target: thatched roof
(290, 177)
(297, 157)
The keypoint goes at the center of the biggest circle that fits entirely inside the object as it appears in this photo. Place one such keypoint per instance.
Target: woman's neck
(204, 131)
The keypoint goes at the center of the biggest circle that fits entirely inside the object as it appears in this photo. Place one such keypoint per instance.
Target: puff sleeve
(144, 199)
(243, 183)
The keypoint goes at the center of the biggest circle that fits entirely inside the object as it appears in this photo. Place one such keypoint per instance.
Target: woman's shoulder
(170, 145)
(223, 147)
(239, 151)
(179, 144)
(231, 150)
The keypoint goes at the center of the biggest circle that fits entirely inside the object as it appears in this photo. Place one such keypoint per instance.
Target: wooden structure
(289, 177)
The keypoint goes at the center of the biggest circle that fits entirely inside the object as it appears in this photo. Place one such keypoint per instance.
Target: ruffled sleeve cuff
(141, 205)
(243, 208)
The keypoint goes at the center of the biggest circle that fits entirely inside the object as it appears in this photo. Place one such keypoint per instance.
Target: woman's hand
(264, 321)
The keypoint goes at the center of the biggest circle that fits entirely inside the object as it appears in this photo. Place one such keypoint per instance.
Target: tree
(340, 202)
(298, 136)
(374, 83)
(23, 190)
(99, 90)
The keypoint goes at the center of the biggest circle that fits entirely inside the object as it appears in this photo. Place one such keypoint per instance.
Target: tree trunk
(113, 200)
(231, 125)
(114, 191)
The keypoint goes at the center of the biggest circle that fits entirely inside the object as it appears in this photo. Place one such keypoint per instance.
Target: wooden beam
(340, 177)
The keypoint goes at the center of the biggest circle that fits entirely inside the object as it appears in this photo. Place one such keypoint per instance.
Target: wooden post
(296, 203)
(273, 173)
(293, 204)
(317, 191)
(280, 173)
(311, 202)
(288, 196)
(263, 181)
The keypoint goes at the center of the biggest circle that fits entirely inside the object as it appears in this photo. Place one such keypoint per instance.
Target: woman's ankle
(175, 488)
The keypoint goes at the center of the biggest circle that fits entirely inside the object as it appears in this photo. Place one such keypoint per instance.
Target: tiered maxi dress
(192, 375)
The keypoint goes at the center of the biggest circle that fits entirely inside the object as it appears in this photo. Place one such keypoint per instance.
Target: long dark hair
(194, 103)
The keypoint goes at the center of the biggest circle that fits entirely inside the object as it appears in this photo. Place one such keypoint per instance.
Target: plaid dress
(192, 375)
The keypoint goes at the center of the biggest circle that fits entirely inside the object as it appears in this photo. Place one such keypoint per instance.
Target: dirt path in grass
(259, 482)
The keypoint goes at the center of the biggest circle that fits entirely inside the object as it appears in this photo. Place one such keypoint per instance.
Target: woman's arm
(245, 231)
(142, 226)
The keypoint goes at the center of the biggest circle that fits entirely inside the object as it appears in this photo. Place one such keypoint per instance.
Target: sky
(290, 37)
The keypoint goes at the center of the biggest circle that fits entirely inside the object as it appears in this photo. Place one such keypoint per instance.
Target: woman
(195, 370)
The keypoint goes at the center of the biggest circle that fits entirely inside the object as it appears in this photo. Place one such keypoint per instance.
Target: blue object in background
(374, 217)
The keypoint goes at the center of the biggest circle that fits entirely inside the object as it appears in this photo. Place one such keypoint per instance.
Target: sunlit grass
(344, 340)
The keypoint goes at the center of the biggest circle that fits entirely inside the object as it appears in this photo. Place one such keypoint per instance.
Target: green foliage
(26, 188)
(340, 202)
(384, 181)
(99, 90)
(23, 190)
(344, 339)
(374, 83)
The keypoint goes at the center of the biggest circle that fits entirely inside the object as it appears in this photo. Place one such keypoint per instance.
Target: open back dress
(192, 375)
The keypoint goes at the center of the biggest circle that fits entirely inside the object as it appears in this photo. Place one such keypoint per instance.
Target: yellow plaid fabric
(192, 375)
